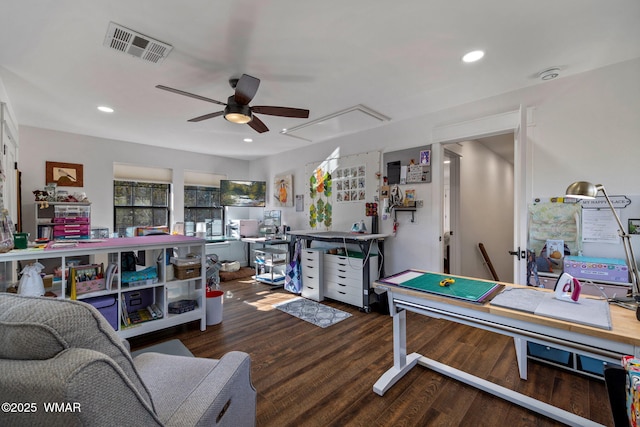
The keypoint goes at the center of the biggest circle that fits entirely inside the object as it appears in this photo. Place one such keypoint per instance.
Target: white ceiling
(399, 59)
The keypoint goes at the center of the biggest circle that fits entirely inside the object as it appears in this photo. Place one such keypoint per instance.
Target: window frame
(192, 213)
(156, 209)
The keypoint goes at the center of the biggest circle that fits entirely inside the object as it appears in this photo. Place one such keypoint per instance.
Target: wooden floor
(309, 376)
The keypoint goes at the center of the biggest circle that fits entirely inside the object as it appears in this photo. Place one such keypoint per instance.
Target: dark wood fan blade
(206, 116)
(181, 92)
(246, 89)
(257, 125)
(281, 111)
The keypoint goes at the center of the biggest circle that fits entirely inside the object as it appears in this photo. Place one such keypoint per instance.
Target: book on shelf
(112, 269)
(126, 321)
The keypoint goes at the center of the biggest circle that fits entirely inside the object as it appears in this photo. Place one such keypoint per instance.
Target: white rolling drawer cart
(312, 273)
(344, 278)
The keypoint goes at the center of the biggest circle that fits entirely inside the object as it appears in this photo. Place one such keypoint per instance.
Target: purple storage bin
(107, 306)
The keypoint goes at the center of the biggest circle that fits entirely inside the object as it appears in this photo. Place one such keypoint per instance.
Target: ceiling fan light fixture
(240, 114)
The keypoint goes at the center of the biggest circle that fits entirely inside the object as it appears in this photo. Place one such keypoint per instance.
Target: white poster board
(325, 190)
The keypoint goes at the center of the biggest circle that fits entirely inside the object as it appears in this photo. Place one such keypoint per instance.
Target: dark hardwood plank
(309, 376)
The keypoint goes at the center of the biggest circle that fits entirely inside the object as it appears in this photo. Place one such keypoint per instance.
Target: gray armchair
(64, 353)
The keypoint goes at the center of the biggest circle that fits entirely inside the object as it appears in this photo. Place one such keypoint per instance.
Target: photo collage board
(351, 184)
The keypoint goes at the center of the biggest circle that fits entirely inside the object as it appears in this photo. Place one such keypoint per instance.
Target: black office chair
(614, 379)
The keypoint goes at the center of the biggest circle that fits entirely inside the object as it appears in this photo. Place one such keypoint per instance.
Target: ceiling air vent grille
(136, 44)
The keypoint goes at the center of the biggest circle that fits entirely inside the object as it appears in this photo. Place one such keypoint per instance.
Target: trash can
(214, 307)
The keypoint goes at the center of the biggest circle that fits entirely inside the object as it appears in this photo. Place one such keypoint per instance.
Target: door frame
(454, 211)
(512, 121)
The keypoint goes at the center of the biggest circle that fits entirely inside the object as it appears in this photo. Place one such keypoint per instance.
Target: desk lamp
(587, 190)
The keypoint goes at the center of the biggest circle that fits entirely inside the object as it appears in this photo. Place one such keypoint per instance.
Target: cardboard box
(599, 269)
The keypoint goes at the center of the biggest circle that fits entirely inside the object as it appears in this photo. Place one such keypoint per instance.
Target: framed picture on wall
(283, 190)
(425, 157)
(64, 174)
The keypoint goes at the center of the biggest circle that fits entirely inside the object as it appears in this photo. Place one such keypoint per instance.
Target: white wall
(585, 127)
(97, 155)
(486, 211)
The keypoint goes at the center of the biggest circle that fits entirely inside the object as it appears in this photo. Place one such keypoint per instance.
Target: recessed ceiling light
(248, 140)
(105, 109)
(473, 56)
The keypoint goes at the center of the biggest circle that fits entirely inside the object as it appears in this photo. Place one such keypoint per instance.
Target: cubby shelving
(151, 252)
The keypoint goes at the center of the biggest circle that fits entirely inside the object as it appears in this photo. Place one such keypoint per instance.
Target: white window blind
(126, 172)
(203, 178)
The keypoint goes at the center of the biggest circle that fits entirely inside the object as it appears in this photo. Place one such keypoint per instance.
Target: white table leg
(401, 362)
(521, 356)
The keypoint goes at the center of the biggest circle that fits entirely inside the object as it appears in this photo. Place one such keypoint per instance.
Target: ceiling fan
(237, 109)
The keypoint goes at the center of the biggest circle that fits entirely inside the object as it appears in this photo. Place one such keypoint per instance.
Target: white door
(514, 122)
(451, 213)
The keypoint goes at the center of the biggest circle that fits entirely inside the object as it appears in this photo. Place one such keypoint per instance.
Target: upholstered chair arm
(197, 391)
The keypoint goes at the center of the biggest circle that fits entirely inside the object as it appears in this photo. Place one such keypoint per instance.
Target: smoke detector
(549, 74)
(135, 44)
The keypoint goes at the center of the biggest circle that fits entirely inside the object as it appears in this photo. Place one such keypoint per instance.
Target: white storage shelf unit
(166, 289)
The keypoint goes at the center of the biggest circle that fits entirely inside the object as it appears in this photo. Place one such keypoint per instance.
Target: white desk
(607, 345)
(363, 240)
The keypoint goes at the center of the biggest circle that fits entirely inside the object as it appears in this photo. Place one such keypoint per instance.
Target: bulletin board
(555, 221)
(338, 189)
(415, 161)
(600, 230)
(587, 226)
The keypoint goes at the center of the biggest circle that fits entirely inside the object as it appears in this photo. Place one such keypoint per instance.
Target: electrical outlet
(419, 203)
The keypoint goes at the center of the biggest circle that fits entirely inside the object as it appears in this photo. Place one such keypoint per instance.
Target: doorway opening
(478, 191)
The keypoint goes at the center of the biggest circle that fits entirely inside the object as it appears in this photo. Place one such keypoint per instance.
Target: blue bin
(549, 353)
(591, 365)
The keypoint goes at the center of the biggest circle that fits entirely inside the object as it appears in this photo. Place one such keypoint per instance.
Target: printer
(244, 228)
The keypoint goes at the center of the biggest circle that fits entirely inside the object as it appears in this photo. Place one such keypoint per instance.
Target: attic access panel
(351, 120)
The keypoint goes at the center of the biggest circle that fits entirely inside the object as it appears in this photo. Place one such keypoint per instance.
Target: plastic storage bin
(549, 353)
(591, 365)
